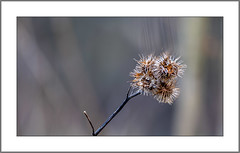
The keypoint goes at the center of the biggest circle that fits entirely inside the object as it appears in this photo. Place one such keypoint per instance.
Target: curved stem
(114, 113)
(85, 113)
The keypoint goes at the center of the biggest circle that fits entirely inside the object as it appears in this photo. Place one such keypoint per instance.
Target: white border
(10, 10)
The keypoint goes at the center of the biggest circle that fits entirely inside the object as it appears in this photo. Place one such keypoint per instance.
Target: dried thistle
(144, 74)
(166, 92)
(168, 68)
(157, 76)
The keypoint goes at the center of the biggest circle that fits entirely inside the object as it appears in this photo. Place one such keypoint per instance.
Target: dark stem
(85, 113)
(114, 113)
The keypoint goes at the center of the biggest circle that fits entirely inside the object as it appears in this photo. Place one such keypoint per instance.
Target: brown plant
(157, 76)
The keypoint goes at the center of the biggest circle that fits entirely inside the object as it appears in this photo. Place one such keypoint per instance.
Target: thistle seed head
(167, 68)
(144, 79)
(157, 76)
(166, 92)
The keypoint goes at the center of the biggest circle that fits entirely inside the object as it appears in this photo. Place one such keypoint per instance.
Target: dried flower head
(144, 79)
(167, 68)
(166, 92)
(157, 76)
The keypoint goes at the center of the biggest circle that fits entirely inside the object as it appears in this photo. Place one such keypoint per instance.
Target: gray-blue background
(68, 65)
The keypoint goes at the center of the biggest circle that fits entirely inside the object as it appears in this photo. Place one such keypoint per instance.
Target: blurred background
(68, 65)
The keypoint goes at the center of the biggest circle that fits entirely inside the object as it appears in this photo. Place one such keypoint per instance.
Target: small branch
(114, 113)
(134, 95)
(128, 92)
(85, 113)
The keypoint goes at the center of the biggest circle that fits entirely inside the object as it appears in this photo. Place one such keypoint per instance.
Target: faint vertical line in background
(172, 35)
(151, 30)
(146, 44)
(159, 34)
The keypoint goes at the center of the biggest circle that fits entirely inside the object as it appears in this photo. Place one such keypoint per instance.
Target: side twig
(128, 97)
(85, 113)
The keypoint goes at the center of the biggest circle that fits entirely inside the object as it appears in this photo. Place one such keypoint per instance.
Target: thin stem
(114, 113)
(85, 113)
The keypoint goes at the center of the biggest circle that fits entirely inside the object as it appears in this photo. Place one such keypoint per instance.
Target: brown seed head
(157, 76)
(144, 79)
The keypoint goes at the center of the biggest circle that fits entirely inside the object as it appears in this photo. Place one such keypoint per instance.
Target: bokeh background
(68, 65)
